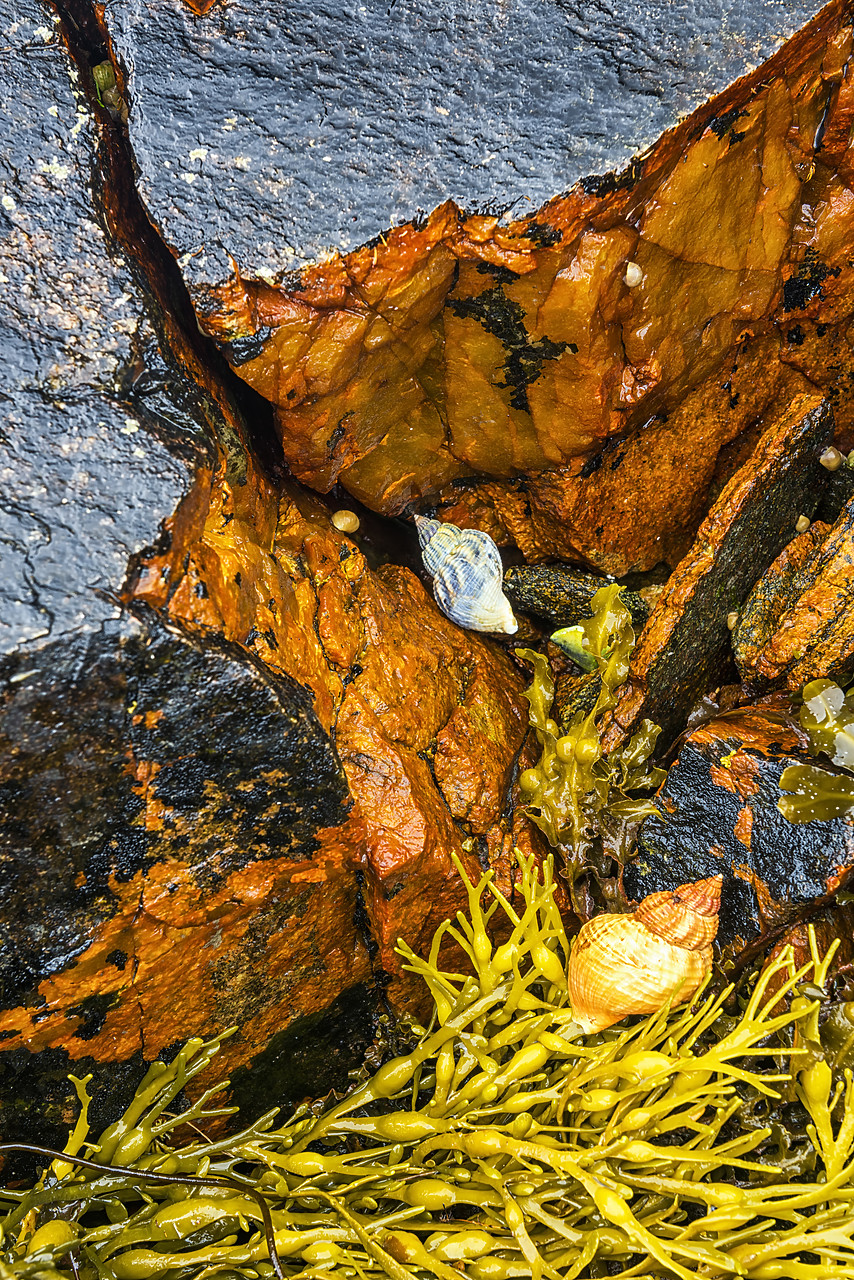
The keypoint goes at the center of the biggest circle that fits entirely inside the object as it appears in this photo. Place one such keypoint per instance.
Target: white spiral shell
(467, 576)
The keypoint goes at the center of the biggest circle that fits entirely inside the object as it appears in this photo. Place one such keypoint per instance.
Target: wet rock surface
(321, 132)
(426, 718)
(238, 748)
(224, 801)
(154, 784)
(718, 815)
(561, 596)
(170, 753)
(506, 372)
(88, 474)
(174, 880)
(798, 622)
(684, 648)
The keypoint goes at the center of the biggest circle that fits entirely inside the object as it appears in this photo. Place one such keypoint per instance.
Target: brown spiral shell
(622, 964)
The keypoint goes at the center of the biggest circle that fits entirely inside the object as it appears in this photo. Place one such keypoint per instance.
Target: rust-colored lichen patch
(744, 827)
(258, 952)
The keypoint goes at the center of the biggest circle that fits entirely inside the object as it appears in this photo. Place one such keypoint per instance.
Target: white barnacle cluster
(467, 576)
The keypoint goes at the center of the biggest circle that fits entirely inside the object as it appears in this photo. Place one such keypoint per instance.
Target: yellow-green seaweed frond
(712, 1140)
(827, 714)
(573, 780)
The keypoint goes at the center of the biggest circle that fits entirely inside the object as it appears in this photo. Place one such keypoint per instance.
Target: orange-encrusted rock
(426, 719)
(569, 380)
(235, 761)
(172, 813)
(798, 623)
(683, 649)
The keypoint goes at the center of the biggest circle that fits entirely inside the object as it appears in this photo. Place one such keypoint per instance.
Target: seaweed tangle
(502, 1145)
(827, 715)
(573, 781)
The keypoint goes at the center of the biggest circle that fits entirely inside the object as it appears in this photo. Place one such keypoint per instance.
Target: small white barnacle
(346, 521)
(467, 576)
(634, 274)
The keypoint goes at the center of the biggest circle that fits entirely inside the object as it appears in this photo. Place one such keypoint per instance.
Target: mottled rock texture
(239, 749)
(330, 127)
(718, 815)
(562, 596)
(234, 760)
(505, 371)
(798, 621)
(158, 789)
(684, 648)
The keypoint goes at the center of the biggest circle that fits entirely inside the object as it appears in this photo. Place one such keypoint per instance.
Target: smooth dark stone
(272, 135)
(718, 815)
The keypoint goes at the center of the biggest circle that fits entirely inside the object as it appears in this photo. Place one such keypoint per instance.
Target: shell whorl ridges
(467, 575)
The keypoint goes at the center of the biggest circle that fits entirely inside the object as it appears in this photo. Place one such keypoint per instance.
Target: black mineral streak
(504, 318)
(806, 284)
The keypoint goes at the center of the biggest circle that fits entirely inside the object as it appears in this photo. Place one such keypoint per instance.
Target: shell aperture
(467, 576)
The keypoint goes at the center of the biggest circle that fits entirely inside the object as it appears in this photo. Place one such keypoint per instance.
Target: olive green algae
(502, 1144)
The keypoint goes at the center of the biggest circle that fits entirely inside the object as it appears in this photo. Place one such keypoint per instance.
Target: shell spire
(623, 964)
(703, 896)
(687, 916)
(425, 528)
(467, 575)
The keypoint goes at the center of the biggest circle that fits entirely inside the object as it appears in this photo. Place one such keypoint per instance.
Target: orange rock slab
(513, 377)
(427, 719)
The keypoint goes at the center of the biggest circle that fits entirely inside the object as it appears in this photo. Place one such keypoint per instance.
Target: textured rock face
(234, 760)
(798, 619)
(684, 648)
(134, 839)
(321, 132)
(237, 751)
(507, 372)
(74, 334)
(718, 815)
(426, 719)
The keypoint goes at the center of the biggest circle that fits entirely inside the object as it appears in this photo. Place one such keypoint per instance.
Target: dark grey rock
(275, 133)
(87, 474)
(718, 815)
